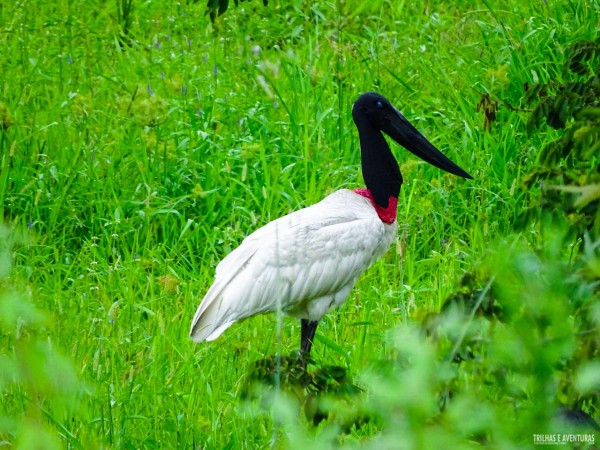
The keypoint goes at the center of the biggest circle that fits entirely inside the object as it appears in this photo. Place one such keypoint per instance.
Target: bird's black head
(372, 114)
(374, 107)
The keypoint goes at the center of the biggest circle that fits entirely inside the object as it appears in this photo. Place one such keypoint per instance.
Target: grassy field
(129, 170)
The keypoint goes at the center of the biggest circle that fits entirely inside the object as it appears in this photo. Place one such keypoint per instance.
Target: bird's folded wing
(308, 254)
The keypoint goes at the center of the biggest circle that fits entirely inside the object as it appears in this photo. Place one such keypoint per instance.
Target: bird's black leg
(309, 327)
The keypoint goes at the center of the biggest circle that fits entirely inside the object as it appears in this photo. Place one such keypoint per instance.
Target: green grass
(129, 172)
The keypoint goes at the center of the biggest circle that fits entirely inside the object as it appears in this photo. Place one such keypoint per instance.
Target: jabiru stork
(307, 262)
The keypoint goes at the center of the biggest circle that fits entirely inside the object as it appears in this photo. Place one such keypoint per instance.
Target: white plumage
(308, 260)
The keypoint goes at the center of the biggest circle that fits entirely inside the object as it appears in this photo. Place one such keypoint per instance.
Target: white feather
(307, 261)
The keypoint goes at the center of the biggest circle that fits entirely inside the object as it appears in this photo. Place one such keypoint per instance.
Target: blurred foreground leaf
(39, 386)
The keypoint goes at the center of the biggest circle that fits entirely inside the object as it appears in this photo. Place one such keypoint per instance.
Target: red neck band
(387, 215)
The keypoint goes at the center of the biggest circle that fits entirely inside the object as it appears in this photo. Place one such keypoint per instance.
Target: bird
(307, 262)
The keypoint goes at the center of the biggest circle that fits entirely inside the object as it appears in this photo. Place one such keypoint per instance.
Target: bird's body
(307, 262)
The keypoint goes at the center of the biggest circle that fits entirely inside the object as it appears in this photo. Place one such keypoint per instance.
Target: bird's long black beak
(401, 130)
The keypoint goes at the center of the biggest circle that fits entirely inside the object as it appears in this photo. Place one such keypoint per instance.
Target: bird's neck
(386, 214)
(379, 167)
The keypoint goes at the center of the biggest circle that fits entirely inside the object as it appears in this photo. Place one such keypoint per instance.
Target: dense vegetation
(140, 142)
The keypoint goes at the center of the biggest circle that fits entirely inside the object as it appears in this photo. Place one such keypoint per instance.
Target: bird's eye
(379, 104)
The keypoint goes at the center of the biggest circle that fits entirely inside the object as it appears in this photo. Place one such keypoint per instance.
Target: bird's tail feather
(215, 314)
(210, 316)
